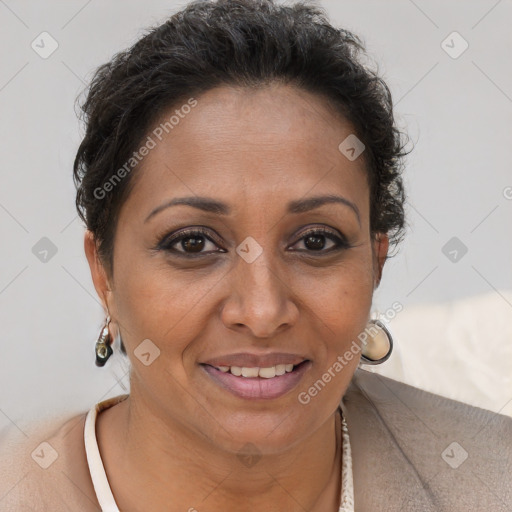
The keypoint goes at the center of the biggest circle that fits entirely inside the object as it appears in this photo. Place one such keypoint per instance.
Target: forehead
(248, 147)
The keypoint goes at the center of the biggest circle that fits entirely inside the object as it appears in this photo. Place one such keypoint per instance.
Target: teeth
(249, 372)
(236, 370)
(265, 373)
(281, 369)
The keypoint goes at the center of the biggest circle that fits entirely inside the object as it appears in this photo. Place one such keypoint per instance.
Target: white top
(102, 487)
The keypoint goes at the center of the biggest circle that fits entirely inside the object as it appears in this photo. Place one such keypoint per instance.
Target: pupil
(318, 242)
(195, 244)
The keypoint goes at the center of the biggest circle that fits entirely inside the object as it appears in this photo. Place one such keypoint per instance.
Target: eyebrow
(210, 205)
(310, 203)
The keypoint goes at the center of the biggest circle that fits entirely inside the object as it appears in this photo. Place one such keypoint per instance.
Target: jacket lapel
(417, 451)
(384, 478)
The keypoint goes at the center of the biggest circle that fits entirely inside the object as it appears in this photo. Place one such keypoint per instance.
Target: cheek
(340, 296)
(348, 302)
(339, 315)
(155, 301)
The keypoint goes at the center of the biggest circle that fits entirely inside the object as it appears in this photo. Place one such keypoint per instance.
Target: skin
(175, 440)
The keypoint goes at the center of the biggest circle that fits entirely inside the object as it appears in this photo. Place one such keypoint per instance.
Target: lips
(248, 382)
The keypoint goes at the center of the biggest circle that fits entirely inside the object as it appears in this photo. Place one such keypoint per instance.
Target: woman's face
(252, 289)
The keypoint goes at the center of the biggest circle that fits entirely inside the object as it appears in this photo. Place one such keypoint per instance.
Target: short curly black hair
(246, 43)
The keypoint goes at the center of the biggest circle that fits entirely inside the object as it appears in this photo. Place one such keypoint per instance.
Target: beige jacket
(412, 452)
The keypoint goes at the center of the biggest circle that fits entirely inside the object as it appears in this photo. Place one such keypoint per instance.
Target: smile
(258, 383)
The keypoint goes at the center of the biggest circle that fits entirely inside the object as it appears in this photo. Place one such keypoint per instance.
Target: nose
(261, 302)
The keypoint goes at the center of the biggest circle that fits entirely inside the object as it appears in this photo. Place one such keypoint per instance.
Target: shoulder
(450, 453)
(390, 396)
(46, 467)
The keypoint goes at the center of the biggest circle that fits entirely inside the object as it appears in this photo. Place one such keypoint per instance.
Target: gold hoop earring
(104, 344)
(379, 344)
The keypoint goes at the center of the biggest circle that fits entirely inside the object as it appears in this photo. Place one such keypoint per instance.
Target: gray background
(458, 113)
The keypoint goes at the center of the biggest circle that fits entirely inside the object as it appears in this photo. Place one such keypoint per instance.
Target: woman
(240, 180)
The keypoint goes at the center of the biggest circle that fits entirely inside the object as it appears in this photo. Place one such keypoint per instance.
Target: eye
(189, 242)
(317, 240)
(199, 241)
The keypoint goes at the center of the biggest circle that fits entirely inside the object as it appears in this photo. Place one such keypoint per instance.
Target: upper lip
(248, 360)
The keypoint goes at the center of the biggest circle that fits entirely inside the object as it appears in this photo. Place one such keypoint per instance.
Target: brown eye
(193, 242)
(317, 240)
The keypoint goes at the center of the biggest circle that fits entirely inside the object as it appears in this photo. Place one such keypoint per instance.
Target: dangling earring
(379, 344)
(104, 344)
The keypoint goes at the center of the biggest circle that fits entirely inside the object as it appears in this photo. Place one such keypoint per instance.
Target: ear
(98, 272)
(380, 252)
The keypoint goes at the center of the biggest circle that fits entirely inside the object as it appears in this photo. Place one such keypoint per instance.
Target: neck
(173, 465)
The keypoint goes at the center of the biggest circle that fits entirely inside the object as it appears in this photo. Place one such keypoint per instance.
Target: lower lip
(258, 388)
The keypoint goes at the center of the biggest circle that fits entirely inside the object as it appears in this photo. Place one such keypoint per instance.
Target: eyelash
(168, 241)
